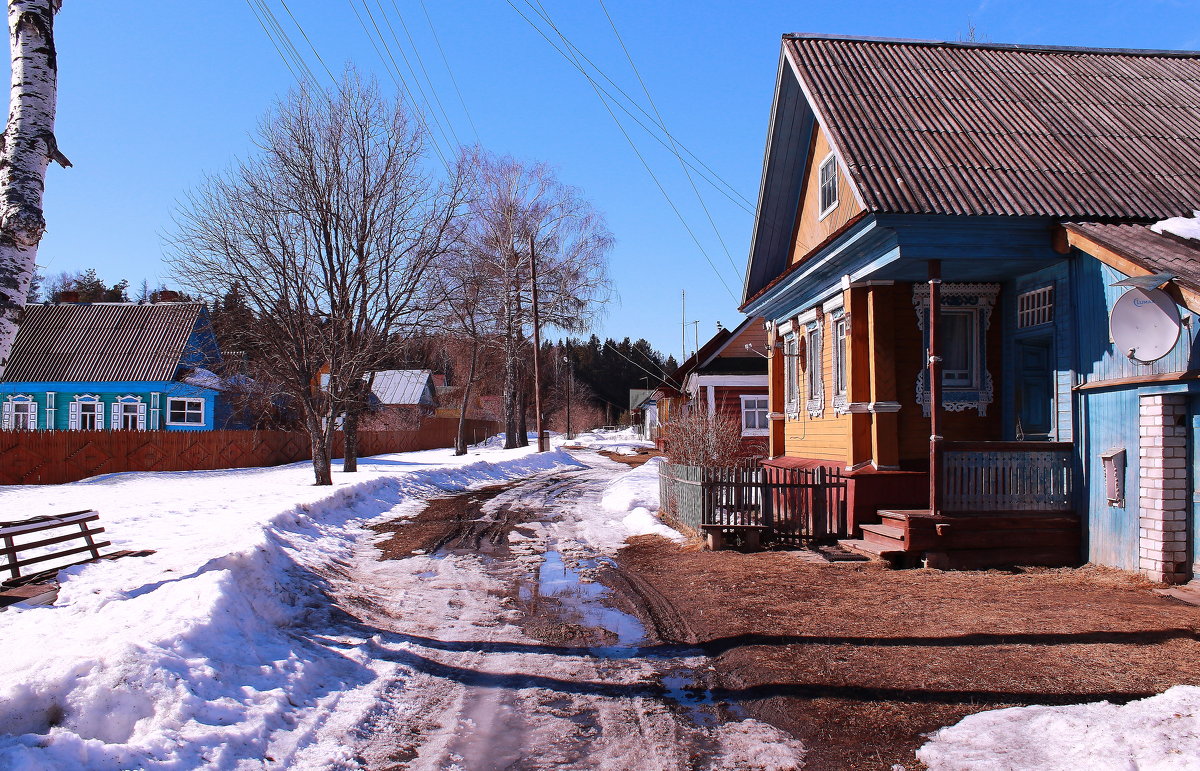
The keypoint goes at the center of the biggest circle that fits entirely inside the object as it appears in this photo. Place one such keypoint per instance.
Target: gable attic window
(828, 185)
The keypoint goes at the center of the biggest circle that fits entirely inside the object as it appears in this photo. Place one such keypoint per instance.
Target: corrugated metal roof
(402, 386)
(1157, 253)
(960, 128)
(101, 342)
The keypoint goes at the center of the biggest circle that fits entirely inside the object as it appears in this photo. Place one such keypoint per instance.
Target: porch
(996, 504)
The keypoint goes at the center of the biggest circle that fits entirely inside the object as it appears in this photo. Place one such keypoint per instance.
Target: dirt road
(513, 655)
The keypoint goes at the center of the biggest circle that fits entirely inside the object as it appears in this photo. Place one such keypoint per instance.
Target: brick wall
(1162, 540)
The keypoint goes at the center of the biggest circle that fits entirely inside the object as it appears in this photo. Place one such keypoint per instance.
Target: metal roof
(1157, 253)
(101, 342)
(403, 386)
(925, 127)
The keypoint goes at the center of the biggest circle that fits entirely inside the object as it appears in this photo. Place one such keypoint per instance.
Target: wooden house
(400, 399)
(727, 377)
(114, 366)
(936, 329)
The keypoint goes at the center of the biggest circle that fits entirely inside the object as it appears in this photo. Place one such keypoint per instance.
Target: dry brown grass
(859, 661)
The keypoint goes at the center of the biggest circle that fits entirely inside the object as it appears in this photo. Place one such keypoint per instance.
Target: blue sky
(152, 100)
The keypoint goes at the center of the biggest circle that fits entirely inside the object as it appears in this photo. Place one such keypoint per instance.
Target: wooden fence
(793, 506)
(54, 457)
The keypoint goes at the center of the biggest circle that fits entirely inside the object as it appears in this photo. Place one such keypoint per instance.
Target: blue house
(114, 366)
(941, 235)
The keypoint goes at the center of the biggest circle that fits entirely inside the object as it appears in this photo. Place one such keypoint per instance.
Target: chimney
(166, 296)
(68, 297)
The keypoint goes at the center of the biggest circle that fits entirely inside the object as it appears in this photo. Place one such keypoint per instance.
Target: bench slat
(49, 523)
(57, 555)
(57, 539)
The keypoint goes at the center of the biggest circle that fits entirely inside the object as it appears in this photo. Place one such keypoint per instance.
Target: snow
(222, 649)
(1160, 732)
(1184, 227)
(194, 656)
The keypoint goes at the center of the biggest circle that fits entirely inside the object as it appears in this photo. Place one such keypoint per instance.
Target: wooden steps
(974, 541)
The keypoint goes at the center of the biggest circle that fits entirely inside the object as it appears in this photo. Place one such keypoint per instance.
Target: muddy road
(522, 645)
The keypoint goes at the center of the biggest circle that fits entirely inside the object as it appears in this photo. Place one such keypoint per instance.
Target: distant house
(400, 398)
(114, 366)
(724, 378)
(982, 208)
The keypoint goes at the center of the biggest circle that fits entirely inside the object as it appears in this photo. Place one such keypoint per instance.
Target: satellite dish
(1144, 324)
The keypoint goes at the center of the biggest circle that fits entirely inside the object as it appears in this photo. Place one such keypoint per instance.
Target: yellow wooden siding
(825, 437)
(810, 229)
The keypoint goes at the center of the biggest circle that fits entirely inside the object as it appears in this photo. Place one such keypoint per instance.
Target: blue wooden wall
(1109, 419)
(1063, 336)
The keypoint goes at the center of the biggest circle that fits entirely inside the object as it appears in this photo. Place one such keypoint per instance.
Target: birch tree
(26, 149)
(512, 203)
(328, 234)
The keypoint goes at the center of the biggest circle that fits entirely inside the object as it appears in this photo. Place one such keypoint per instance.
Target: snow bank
(216, 650)
(1184, 227)
(636, 492)
(1161, 732)
(622, 442)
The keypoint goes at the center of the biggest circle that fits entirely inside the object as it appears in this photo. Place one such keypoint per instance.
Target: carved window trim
(979, 299)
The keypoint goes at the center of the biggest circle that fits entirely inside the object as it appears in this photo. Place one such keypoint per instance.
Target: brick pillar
(1164, 491)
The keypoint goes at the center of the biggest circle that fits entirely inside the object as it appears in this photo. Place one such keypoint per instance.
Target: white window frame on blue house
(26, 416)
(187, 411)
(121, 411)
(76, 416)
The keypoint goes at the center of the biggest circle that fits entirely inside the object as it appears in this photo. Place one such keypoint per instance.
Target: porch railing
(794, 506)
(1007, 476)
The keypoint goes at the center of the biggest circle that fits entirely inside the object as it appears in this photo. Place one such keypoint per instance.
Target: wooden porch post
(885, 425)
(858, 375)
(935, 387)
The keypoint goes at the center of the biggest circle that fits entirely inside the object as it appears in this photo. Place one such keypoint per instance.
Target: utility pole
(570, 377)
(537, 352)
(935, 387)
(683, 329)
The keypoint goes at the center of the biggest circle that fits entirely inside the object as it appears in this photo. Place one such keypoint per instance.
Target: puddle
(584, 598)
(696, 701)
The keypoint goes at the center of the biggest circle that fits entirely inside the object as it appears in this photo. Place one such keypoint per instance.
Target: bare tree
(26, 149)
(514, 202)
(699, 439)
(328, 235)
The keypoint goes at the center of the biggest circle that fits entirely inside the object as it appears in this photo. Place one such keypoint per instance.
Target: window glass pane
(189, 411)
(957, 341)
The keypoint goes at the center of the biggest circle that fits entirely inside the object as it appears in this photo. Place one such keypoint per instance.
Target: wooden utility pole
(537, 352)
(935, 388)
(570, 377)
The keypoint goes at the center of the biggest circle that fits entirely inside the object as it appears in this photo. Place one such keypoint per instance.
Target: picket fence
(54, 457)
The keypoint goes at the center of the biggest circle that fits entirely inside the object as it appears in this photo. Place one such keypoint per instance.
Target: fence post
(820, 509)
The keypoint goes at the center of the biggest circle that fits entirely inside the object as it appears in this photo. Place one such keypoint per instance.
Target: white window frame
(119, 413)
(814, 380)
(76, 407)
(10, 412)
(791, 375)
(765, 410)
(203, 407)
(824, 183)
(974, 365)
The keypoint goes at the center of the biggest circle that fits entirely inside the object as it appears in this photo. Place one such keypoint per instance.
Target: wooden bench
(18, 538)
(714, 535)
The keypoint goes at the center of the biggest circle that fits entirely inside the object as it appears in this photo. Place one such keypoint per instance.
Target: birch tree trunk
(26, 149)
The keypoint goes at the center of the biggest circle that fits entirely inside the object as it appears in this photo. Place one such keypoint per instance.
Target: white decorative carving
(981, 297)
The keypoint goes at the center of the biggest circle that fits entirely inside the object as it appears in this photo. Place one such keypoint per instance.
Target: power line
(421, 63)
(398, 78)
(745, 203)
(307, 40)
(445, 61)
(662, 124)
(638, 153)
